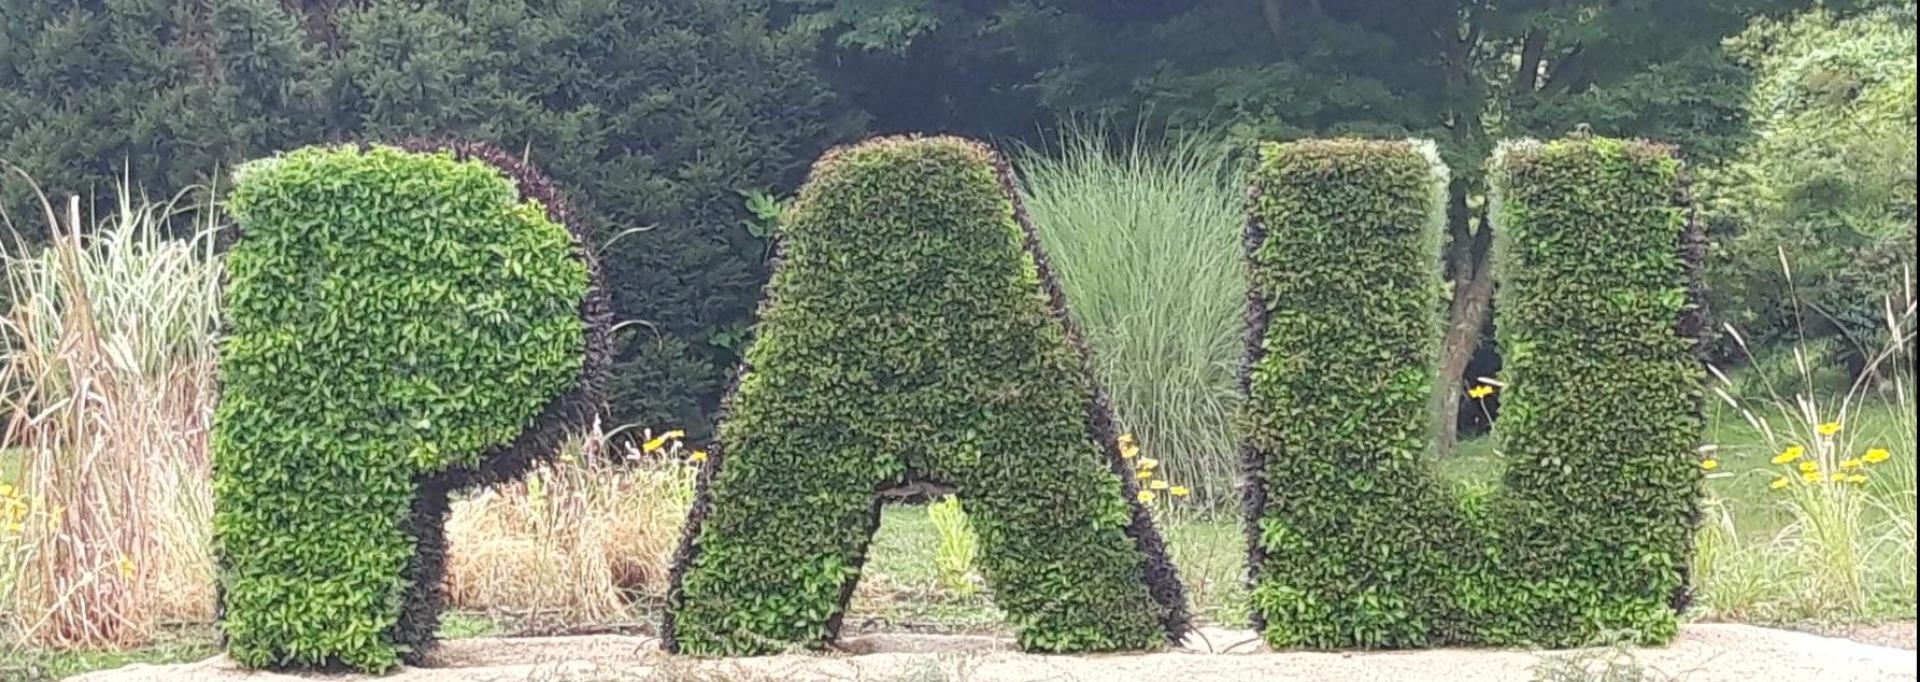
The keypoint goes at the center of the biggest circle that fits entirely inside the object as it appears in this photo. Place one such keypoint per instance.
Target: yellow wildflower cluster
(1852, 470)
(666, 444)
(1147, 471)
(13, 509)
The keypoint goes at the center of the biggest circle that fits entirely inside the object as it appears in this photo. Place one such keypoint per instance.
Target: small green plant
(958, 546)
(1610, 664)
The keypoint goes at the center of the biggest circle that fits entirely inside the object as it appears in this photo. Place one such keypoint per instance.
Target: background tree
(1462, 72)
(168, 93)
(1827, 183)
(656, 114)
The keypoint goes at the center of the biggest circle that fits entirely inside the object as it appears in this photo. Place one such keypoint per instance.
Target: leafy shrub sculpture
(1354, 541)
(400, 324)
(913, 332)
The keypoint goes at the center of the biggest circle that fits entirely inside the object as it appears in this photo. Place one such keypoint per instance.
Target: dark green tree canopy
(654, 114)
(911, 333)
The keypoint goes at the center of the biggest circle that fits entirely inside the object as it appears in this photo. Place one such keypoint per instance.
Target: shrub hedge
(913, 332)
(399, 324)
(1598, 263)
(1355, 542)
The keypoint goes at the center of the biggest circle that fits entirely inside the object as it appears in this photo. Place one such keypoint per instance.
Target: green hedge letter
(399, 324)
(912, 333)
(1355, 543)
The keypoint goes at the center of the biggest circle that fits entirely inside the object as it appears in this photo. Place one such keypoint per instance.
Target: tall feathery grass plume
(108, 380)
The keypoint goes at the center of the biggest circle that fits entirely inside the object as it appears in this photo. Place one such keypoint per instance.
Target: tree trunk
(1469, 255)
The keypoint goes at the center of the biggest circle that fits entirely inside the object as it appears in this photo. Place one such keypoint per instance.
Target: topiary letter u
(1355, 542)
(399, 323)
(912, 332)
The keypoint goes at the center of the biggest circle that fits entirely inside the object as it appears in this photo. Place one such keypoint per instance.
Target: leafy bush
(1343, 259)
(396, 322)
(1355, 540)
(1143, 239)
(913, 332)
(1598, 268)
(1827, 186)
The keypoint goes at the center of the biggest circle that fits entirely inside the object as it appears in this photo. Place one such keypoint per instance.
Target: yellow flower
(1779, 483)
(1812, 477)
(1145, 497)
(1480, 391)
(1809, 467)
(1710, 464)
(1877, 455)
(661, 440)
(1126, 439)
(1789, 455)
(1159, 485)
(1129, 450)
(1854, 463)
(1857, 479)
(1829, 428)
(1148, 464)
(1180, 491)
(6, 490)
(697, 457)
(1143, 474)
(126, 568)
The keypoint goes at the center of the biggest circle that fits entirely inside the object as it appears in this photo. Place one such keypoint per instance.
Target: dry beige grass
(571, 543)
(108, 378)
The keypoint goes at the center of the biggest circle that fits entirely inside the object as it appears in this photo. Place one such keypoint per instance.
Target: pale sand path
(1704, 653)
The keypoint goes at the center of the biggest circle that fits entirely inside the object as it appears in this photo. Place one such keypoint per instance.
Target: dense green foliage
(1599, 319)
(1344, 266)
(653, 113)
(167, 92)
(1355, 541)
(394, 320)
(1145, 241)
(910, 336)
(1829, 179)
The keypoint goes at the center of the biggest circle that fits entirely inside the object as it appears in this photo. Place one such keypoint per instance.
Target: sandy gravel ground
(1704, 653)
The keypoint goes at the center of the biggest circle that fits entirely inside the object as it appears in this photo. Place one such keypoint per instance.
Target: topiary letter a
(399, 324)
(912, 332)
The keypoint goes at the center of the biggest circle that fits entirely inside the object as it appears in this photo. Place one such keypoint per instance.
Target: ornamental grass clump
(400, 324)
(108, 384)
(913, 333)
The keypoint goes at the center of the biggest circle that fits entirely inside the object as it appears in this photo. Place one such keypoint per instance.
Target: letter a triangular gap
(1354, 541)
(911, 332)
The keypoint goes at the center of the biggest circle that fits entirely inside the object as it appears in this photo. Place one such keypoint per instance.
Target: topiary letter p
(399, 324)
